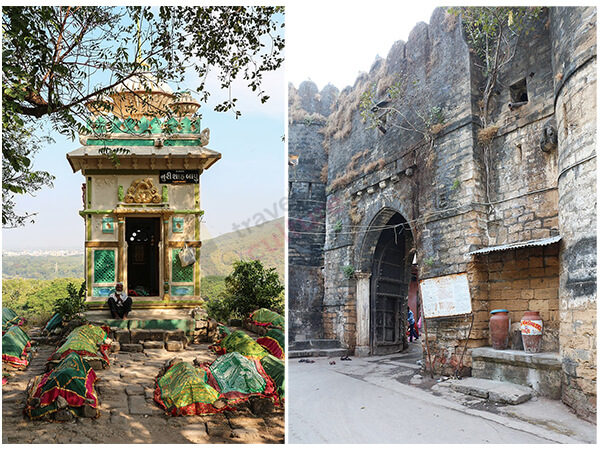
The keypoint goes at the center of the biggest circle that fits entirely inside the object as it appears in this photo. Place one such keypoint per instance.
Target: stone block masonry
(444, 194)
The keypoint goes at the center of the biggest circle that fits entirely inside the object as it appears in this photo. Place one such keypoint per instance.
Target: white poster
(446, 296)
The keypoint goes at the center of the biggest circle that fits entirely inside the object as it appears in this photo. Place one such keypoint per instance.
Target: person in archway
(119, 302)
(411, 325)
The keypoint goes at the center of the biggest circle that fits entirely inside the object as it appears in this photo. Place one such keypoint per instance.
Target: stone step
(315, 344)
(541, 372)
(493, 391)
(315, 352)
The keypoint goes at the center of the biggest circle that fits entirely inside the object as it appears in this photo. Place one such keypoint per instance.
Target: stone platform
(493, 391)
(156, 325)
(315, 348)
(539, 371)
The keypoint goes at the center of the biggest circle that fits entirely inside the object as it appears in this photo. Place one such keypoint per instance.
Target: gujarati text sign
(179, 176)
(446, 296)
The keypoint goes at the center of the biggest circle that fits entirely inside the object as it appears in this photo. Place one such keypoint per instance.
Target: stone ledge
(494, 391)
(315, 344)
(548, 360)
(328, 353)
(540, 371)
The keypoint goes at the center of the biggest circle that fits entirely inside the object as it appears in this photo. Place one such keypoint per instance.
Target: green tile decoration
(177, 224)
(178, 291)
(104, 266)
(102, 291)
(181, 274)
(108, 225)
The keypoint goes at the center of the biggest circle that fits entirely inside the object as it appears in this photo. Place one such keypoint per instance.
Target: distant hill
(265, 242)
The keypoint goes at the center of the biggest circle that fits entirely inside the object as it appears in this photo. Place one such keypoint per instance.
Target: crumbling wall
(523, 191)
(307, 179)
(574, 61)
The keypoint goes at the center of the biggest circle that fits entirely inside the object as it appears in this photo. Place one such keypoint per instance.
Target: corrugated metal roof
(531, 243)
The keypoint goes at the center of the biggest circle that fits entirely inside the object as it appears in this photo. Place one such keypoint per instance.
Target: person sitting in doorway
(411, 324)
(119, 302)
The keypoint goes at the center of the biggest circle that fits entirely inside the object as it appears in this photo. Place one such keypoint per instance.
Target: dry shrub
(485, 135)
(343, 180)
(437, 127)
(295, 111)
(559, 76)
(355, 214)
(296, 114)
(315, 118)
(385, 83)
(325, 143)
(379, 165)
(323, 176)
(354, 160)
(339, 124)
(450, 22)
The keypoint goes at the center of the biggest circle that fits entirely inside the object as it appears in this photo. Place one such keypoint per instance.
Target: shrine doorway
(143, 256)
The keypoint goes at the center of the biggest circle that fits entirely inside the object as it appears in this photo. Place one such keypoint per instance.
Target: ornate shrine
(142, 160)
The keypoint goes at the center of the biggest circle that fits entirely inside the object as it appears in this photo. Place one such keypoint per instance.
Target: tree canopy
(251, 286)
(57, 59)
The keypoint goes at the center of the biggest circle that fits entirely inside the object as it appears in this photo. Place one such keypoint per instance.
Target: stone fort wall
(458, 196)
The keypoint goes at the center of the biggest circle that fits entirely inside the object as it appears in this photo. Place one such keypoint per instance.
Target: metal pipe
(516, 105)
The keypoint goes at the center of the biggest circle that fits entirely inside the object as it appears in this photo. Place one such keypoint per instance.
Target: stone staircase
(316, 347)
(154, 329)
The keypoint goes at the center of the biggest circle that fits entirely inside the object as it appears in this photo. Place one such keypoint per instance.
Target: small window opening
(518, 92)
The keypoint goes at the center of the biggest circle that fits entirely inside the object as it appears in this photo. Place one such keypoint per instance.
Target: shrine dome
(141, 96)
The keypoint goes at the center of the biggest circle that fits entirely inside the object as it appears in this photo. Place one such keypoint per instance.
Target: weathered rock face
(445, 194)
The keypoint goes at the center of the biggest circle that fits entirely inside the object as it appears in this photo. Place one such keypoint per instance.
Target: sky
(327, 42)
(332, 42)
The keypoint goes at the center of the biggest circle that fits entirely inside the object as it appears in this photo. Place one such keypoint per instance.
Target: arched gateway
(383, 284)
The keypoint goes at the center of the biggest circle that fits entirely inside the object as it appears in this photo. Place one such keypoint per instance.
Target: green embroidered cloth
(235, 373)
(275, 368)
(240, 342)
(9, 318)
(88, 341)
(274, 342)
(15, 344)
(72, 379)
(55, 321)
(183, 390)
(267, 318)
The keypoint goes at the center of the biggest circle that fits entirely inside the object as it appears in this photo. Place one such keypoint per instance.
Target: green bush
(250, 286)
(218, 310)
(73, 305)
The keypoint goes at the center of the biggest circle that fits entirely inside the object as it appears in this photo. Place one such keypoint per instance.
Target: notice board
(446, 296)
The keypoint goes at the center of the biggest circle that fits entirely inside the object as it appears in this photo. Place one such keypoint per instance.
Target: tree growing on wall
(57, 59)
(398, 109)
(494, 34)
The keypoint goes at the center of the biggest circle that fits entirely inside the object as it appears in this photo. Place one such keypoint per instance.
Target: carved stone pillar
(363, 313)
